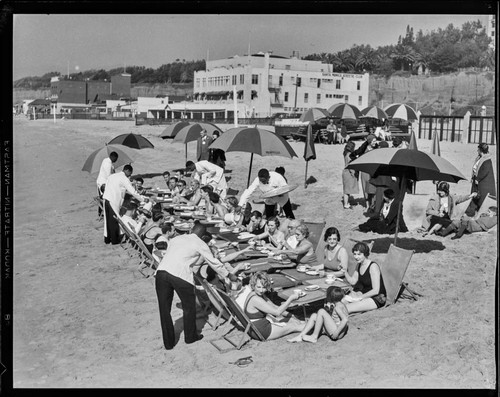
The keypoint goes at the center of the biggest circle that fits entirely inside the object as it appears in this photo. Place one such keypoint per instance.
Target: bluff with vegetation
(433, 70)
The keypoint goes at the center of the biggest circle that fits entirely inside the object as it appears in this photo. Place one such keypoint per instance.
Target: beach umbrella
(255, 141)
(191, 133)
(309, 150)
(374, 112)
(333, 107)
(435, 144)
(406, 164)
(93, 162)
(346, 111)
(134, 141)
(401, 111)
(313, 114)
(171, 130)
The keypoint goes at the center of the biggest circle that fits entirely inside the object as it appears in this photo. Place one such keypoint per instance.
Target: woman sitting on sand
(335, 256)
(272, 234)
(257, 306)
(369, 290)
(440, 208)
(303, 253)
(331, 320)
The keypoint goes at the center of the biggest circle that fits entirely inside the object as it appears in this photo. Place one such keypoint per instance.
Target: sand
(84, 317)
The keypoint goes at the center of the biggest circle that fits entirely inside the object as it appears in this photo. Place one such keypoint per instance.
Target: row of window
(318, 98)
(224, 80)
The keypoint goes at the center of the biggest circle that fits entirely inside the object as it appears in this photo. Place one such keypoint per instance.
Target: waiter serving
(274, 189)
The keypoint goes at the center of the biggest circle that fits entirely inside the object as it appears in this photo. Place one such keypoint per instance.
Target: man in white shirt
(107, 168)
(116, 186)
(266, 181)
(209, 174)
(175, 273)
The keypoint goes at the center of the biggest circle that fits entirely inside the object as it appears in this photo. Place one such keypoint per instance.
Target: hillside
(427, 93)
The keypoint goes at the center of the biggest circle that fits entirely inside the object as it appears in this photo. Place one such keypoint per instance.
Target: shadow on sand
(381, 245)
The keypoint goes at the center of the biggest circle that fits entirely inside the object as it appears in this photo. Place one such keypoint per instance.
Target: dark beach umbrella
(406, 164)
(134, 141)
(255, 141)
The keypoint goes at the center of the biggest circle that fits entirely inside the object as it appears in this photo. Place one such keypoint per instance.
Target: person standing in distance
(202, 144)
(175, 273)
(266, 181)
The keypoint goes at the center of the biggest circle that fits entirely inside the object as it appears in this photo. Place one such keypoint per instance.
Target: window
(287, 67)
(306, 97)
(337, 84)
(318, 98)
(359, 85)
(242, 79)
(281, 80)
(234, 80)
(338, 96)
(319, 83)
(286, 96)
(197, 82)
(346, 98)
(204, 82)
(360, 100)
(255, 79)
(299, 81)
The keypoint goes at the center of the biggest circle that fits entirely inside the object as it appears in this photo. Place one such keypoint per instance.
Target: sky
(62, 43)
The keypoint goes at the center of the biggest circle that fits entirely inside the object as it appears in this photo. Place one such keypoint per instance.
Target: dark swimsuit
(259, 320)
(364, 285)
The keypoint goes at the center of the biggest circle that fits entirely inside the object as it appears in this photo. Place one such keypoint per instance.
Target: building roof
(40, 102)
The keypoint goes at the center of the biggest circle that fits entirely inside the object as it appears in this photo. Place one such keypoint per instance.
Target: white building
(491, 29)
(267, 84)
(152, 107)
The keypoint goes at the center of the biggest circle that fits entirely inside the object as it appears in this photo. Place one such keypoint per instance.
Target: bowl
(329, 281)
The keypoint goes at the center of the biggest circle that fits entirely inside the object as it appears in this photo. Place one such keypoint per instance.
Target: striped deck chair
(215, 300)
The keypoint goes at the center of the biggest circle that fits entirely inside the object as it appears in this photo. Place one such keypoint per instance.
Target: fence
(248, 121)
(471, 129)
(78, 116)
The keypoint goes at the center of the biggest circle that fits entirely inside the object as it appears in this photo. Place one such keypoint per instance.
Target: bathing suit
(364, 285)
(259, 320)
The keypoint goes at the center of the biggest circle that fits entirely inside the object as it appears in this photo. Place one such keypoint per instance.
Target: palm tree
(404, 54)
(366, 59)
(487, 59)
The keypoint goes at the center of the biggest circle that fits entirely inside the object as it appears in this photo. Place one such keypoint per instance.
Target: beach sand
(85, 318)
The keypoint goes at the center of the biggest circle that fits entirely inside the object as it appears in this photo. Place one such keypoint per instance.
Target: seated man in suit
(482, 224)
(386, 224)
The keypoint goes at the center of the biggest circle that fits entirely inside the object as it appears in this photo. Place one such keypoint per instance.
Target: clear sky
(46, 43)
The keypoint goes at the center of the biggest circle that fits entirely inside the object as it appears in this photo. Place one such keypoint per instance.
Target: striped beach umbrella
(255, 141)
(93, 163)
(171, 130)
(374, 112)
(313, 114)
(346, 111)
(401, 111)
(333, 107)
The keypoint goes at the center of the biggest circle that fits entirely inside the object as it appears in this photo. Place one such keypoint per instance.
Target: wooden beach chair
(98, 201)
(393, 269)
(215, 300)
(240, 319)
(316, 232)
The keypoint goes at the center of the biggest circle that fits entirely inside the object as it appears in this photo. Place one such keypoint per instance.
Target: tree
(404, 56)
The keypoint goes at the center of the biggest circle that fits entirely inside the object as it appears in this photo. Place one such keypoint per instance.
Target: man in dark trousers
(202, 144)
(387, 221)
(175, 273)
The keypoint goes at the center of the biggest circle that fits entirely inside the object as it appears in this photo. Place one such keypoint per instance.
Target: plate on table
(244, 237)
(312, 272)
(313, 287)
(224, 230)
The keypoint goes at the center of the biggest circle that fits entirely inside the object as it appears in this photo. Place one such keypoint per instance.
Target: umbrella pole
(305, 178)
(402, 189)
(186, 152)
(250, 170)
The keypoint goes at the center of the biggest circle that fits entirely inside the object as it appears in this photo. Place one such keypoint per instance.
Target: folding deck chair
(240, 319)
(316, 232)
(98, 201)
(393, 269)
(215, 300)
(134, 246)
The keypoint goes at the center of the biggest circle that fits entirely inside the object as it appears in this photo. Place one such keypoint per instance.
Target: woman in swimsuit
(303, 253)
(369, 290)
(335, 256)
(257, 306)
